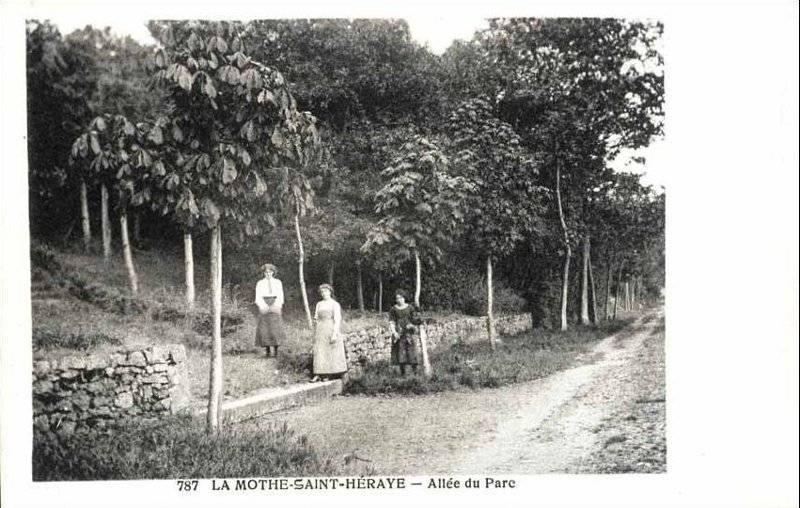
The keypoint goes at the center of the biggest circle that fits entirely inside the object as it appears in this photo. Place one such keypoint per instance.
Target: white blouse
(269, 287)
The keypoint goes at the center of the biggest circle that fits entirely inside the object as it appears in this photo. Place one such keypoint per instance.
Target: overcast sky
(437, 32)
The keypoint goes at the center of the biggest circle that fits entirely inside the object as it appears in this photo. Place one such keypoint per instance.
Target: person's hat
(269, 266)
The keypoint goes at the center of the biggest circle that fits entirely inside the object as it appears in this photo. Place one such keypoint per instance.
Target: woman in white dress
(329, 354)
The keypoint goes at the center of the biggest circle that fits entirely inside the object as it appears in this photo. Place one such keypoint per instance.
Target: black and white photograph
(367, 255)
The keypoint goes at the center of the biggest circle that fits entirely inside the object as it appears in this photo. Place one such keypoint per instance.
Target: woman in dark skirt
(403, 323)
(269, 300)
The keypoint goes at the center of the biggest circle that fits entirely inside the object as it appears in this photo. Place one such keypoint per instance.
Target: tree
(123, 156)
(111, 77)
(240, 134)
(58, 110)
(577, 91)
(421, 205)
(507, 203)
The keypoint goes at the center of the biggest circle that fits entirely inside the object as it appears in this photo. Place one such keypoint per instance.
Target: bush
(505, 299)
(44, 258)
(175, 447)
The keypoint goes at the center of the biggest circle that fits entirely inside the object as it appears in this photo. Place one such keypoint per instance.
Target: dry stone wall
(374, 344)
(97, 390)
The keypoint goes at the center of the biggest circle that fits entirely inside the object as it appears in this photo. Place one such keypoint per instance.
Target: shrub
(447, 286)
(175, 447)
(505, 300)
(44, 257)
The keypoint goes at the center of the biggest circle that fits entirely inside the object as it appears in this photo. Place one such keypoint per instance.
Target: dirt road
(604, 415)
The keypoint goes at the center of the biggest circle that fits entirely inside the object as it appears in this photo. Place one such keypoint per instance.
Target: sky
(437, 32)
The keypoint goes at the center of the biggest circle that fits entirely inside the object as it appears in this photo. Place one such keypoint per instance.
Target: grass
(524, 357)
(48, 339)
(176, 447)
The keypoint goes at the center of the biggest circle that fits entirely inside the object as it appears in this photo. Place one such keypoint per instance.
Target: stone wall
(96, 390)
(374, 344)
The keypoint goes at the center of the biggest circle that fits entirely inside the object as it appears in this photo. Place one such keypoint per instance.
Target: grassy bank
(524, 357)
(177, 447)
(81, 304)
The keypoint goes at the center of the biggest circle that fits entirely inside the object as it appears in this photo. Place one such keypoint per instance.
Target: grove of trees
(361, 158)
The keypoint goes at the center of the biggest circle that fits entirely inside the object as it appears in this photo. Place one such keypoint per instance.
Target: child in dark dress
(404, 324)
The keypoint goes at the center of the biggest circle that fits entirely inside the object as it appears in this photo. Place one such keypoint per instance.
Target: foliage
(236, 127)
(421, 205)
(507, 205)
(175, 447)
(505, 299)
(57, 106)
(350, 70)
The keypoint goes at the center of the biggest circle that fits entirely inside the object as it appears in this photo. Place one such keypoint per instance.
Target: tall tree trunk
(585, 283)
(137, 227)
(595, 319)
(418, 287)
(427, 370)
(627, 296)
(188, 269)
(330, 273)
(568, 254)
(606, 311)
(215, 375)
(301, 271)
(490, 304)
(126, 252)
(359, 287)
(617, 289)
(87, 230)
(380, 293)
(106, 225)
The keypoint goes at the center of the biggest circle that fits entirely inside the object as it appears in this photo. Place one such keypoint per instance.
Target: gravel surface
(606, 414)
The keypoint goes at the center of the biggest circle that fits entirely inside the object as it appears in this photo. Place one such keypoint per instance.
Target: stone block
(41, 422)
(149, 369)
(160, 367)
(157, 354)
(103, 411)
(82, 401)
(41, 368)
(94, 387)
(70, 374)
(136, 358)
(124, 400)
(72, 362)
(43, 386)
(177, 353)
(61, 406)
(109, 371)
(99, 402)
(95, 362)
(66, 427)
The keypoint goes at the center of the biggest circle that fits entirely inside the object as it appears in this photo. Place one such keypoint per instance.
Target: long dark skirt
(270, 331)
(404, 350)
